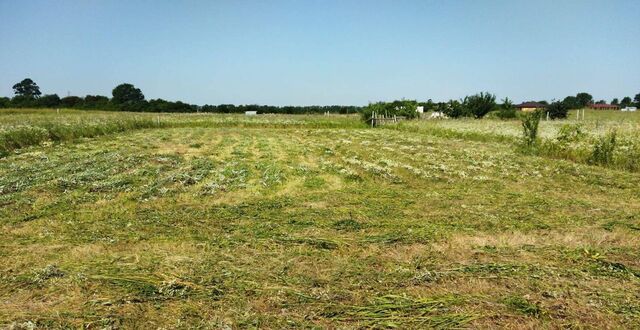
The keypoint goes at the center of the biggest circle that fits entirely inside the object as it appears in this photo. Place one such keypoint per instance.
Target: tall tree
(126, 94)
(571, 102)
(27, 88)
(626, 101)
(584, 99)
(637, 99)
(480, 104)
(615, 101)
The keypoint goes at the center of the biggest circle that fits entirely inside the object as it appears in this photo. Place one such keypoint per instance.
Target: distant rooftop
(603, 106)
(531, 105)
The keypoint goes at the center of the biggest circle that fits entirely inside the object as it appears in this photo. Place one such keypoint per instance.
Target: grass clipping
(393, 311)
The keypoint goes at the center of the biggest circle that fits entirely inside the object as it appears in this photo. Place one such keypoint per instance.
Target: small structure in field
(420, 109)
(379, 120)
(251, 113)
(631, 109)
(438, 115)
(530, 106)
(603, 106)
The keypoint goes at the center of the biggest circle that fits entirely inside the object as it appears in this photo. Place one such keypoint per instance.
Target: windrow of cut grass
(25, 136)
(24, 128)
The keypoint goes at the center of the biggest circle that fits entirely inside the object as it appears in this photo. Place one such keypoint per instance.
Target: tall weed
(530, 124)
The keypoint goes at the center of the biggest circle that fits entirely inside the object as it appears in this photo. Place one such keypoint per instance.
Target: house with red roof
(603, 106)
(531, 106)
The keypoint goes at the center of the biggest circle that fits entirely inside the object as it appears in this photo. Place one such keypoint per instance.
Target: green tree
(626, 101)
(23, 101)
(480, 104)
(584, 99)
(71, 101)
(27, 88)
(95, 102)
(571, 102)
(636, 99)
(127, 96)
(48, 101)
(615, 101)
(507, 110)
(5, 102)
(453, 109)
(557, 110)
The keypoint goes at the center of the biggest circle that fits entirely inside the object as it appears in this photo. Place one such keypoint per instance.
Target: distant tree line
(126, 97)
(582, 100)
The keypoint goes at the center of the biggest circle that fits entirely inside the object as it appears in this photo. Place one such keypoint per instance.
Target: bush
(479, 105)
(557, 110)
(530, 122)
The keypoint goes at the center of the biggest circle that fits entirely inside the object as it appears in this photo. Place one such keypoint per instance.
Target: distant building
(420, 109)
(531, 106)
(603, 106)
(251, 113)
(629, 109)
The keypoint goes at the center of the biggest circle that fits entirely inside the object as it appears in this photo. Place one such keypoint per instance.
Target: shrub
(557, 110)
(530, 122)
(479, 105)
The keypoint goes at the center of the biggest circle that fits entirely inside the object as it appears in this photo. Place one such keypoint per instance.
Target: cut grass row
(39, 127)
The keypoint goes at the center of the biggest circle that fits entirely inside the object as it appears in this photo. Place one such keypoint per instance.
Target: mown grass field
(211, 221)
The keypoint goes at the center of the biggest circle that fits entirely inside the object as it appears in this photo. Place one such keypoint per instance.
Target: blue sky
(323, 51)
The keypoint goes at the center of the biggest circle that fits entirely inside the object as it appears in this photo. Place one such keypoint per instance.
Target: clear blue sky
(323, 52)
